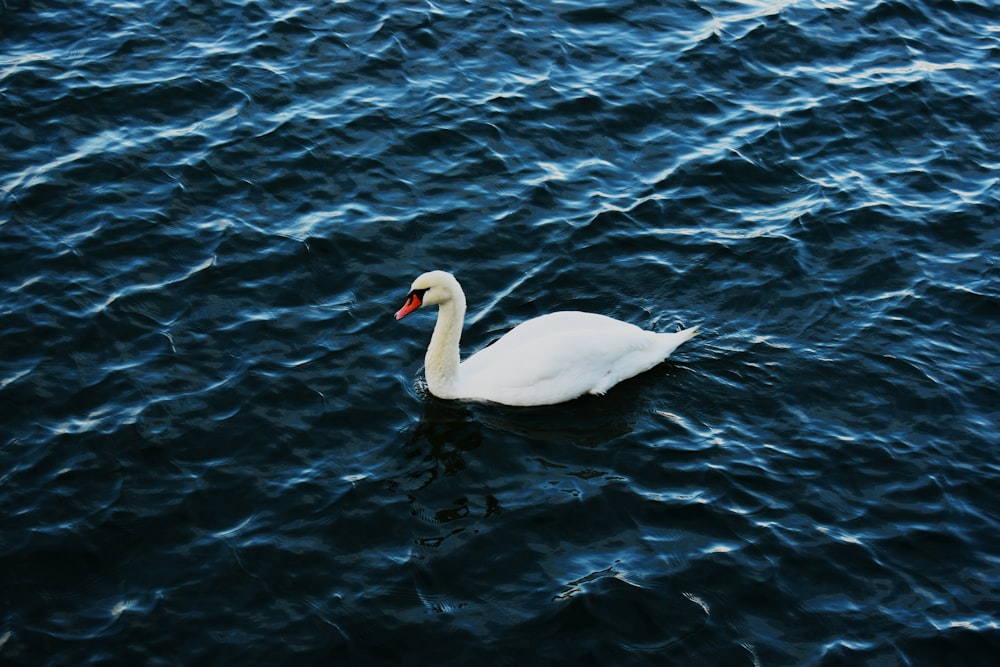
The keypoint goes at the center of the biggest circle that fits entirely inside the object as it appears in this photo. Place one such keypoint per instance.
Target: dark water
(214, 448)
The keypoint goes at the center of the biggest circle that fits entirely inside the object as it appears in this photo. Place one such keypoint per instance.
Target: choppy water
(214, 449)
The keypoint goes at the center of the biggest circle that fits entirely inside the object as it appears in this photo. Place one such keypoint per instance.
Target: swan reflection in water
(461, 460)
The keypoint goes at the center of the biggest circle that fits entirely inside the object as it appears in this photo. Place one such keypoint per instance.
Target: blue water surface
(215, 448)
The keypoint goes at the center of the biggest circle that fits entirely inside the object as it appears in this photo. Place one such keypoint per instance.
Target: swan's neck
(442, 359)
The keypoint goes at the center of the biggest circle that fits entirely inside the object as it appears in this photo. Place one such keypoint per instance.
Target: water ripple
(209, 213)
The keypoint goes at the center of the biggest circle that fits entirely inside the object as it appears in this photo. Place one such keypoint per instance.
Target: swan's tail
(671, 341)
(689, 333)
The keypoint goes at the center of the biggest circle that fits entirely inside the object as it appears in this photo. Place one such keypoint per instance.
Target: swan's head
(431, 288)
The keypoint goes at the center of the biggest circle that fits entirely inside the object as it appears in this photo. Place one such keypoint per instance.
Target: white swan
(548, 359)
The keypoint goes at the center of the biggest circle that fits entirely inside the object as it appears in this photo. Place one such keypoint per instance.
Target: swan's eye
(417, 294)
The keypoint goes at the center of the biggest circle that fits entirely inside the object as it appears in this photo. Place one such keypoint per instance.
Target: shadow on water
(438, 444)
(446, 484)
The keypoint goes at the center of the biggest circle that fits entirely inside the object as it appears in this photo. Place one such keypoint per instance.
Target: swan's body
(548, 359)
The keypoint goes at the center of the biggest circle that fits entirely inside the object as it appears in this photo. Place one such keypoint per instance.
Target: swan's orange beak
(412, 303)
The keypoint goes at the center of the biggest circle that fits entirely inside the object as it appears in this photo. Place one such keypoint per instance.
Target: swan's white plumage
(548, 359)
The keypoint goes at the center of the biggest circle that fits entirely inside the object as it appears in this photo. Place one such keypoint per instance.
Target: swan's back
(561, 356)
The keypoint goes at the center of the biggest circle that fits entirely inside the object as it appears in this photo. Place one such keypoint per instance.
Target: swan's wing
(565, 322)
(557, 366)
(552, 337)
